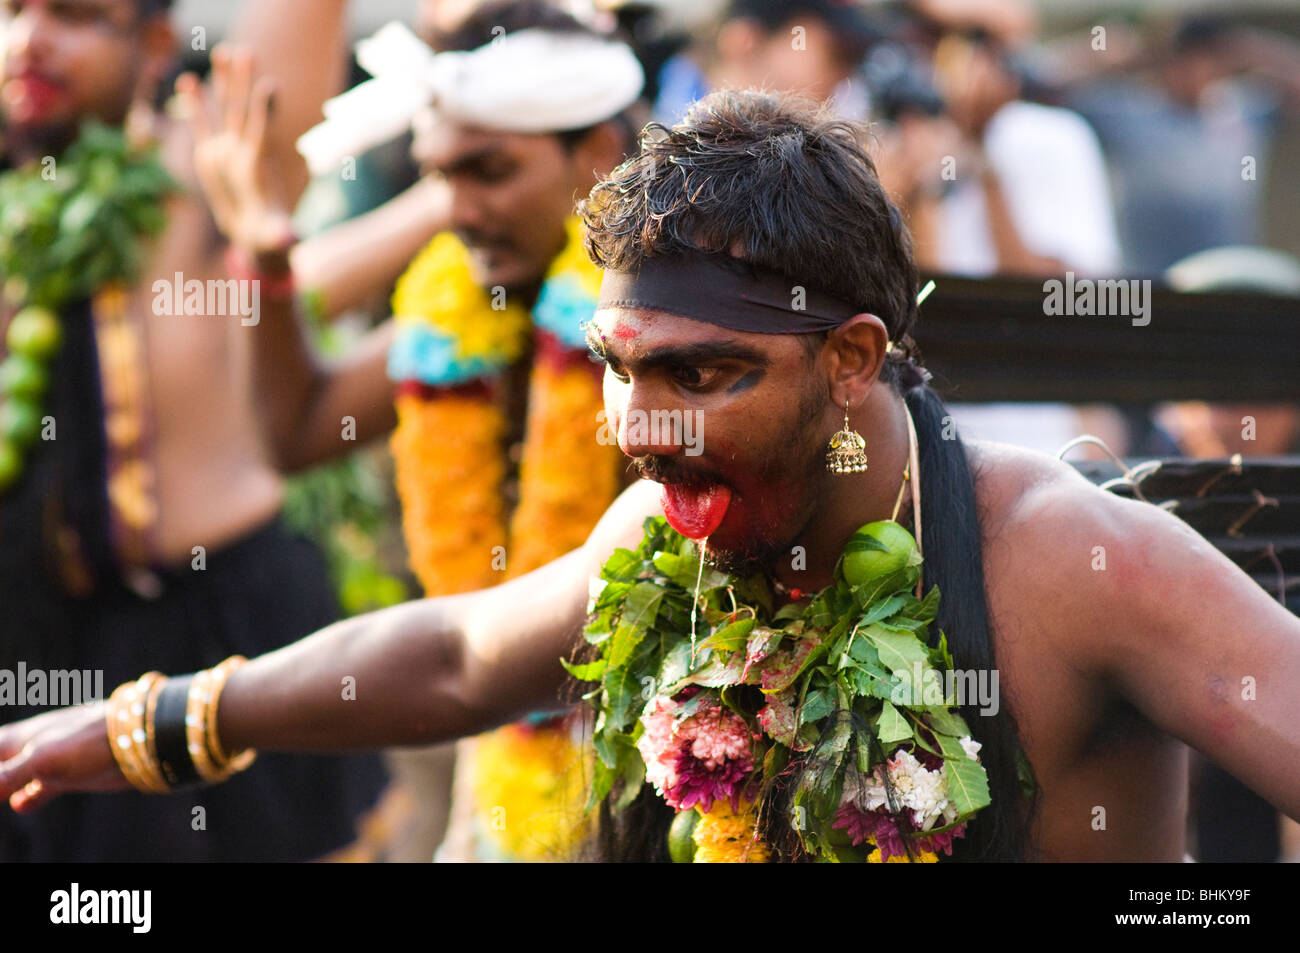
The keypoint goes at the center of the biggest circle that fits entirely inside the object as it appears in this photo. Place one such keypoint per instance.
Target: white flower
(928, 797)
(595, 586)
(971, 747)
(916, 788)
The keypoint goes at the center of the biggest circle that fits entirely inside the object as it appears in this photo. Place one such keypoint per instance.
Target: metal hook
(1261, 501)
(1130, 477)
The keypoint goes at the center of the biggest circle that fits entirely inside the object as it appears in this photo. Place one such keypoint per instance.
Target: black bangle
(169, 733)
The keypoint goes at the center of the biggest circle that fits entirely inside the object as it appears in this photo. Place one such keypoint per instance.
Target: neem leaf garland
(825, 695)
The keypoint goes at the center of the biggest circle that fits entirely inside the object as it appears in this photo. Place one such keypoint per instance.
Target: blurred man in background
(148, 535)
(1189, 139)
(809, 47)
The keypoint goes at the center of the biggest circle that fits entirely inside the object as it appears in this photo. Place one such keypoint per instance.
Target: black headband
(726, 292)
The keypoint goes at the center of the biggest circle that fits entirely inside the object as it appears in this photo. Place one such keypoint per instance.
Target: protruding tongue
(696, 511)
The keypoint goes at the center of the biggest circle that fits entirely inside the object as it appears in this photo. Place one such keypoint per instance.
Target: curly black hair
(775, 180)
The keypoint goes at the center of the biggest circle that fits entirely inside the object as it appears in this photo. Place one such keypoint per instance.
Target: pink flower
(863, 824)
(719, 735)
(888, 830)
(941, 841)
(696, 784)
(699, 759)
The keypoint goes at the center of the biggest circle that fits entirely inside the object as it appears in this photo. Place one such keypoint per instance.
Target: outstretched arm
(423, 672)
(1188, 639)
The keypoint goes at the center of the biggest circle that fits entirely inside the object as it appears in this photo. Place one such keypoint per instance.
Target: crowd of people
(470, 209)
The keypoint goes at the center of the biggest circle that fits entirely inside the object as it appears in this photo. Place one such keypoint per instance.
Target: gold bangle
(125, 719)
(141, 738)
(150, 736)
(117, 716)
(196, 704)
(236, 760)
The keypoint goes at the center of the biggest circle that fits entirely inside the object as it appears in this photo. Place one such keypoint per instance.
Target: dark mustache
(668, 470)
(476, 239)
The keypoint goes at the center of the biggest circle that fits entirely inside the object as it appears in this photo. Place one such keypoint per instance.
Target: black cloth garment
(1234, 825)
(54, 520)
(63, 606)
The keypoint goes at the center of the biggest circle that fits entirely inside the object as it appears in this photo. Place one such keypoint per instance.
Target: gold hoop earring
(847, 452)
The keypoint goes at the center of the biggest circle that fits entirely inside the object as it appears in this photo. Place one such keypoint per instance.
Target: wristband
(169, 733)
(276, 286)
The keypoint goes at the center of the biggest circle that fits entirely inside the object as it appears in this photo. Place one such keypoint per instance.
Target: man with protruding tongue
(712, 346)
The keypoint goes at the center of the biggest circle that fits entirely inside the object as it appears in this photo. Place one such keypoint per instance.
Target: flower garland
(451, 347)
(529, 781)
(822, 702)
(67, 231)
(454, 341)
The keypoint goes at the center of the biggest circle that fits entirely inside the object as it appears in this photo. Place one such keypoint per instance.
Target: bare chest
(1112, 786)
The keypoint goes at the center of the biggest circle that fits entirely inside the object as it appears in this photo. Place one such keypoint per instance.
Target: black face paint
(746, 382)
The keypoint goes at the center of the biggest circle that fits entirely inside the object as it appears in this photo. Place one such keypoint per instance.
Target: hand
(911, 154)
(230, 157)
(55, 753)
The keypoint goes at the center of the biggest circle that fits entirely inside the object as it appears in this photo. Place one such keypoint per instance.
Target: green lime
(681, 837)
(876, 550)
(20, 422)
(11, 464)
(35, 331)
(21, 376)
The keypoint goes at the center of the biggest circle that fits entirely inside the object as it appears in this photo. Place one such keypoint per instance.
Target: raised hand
(229, 120)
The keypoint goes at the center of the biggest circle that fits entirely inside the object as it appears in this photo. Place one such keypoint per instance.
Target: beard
(22, 142)
(792, 457)
(759, 556)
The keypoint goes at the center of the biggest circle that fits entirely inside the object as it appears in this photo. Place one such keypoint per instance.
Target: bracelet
(196, 703)
(163, 731)
(210, 761)
(129, 733)
(235, 761)
(151, 733)
(142, 735)
(170, 737)
(276, 286)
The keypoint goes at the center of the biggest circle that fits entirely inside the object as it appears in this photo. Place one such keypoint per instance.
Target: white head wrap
(529, 81)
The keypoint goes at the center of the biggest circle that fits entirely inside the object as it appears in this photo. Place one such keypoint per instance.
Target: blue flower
(425, 354)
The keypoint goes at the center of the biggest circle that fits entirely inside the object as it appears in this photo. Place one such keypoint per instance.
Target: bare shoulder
(1051, 527)
(1097, 565)
(621, 525)
(1123, 594)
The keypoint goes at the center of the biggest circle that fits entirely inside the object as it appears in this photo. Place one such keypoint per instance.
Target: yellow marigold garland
(449, 463)
(567, 479)
(530, 788)
(724, 836)
(448, 473)
(925, 856)
(438, 288)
